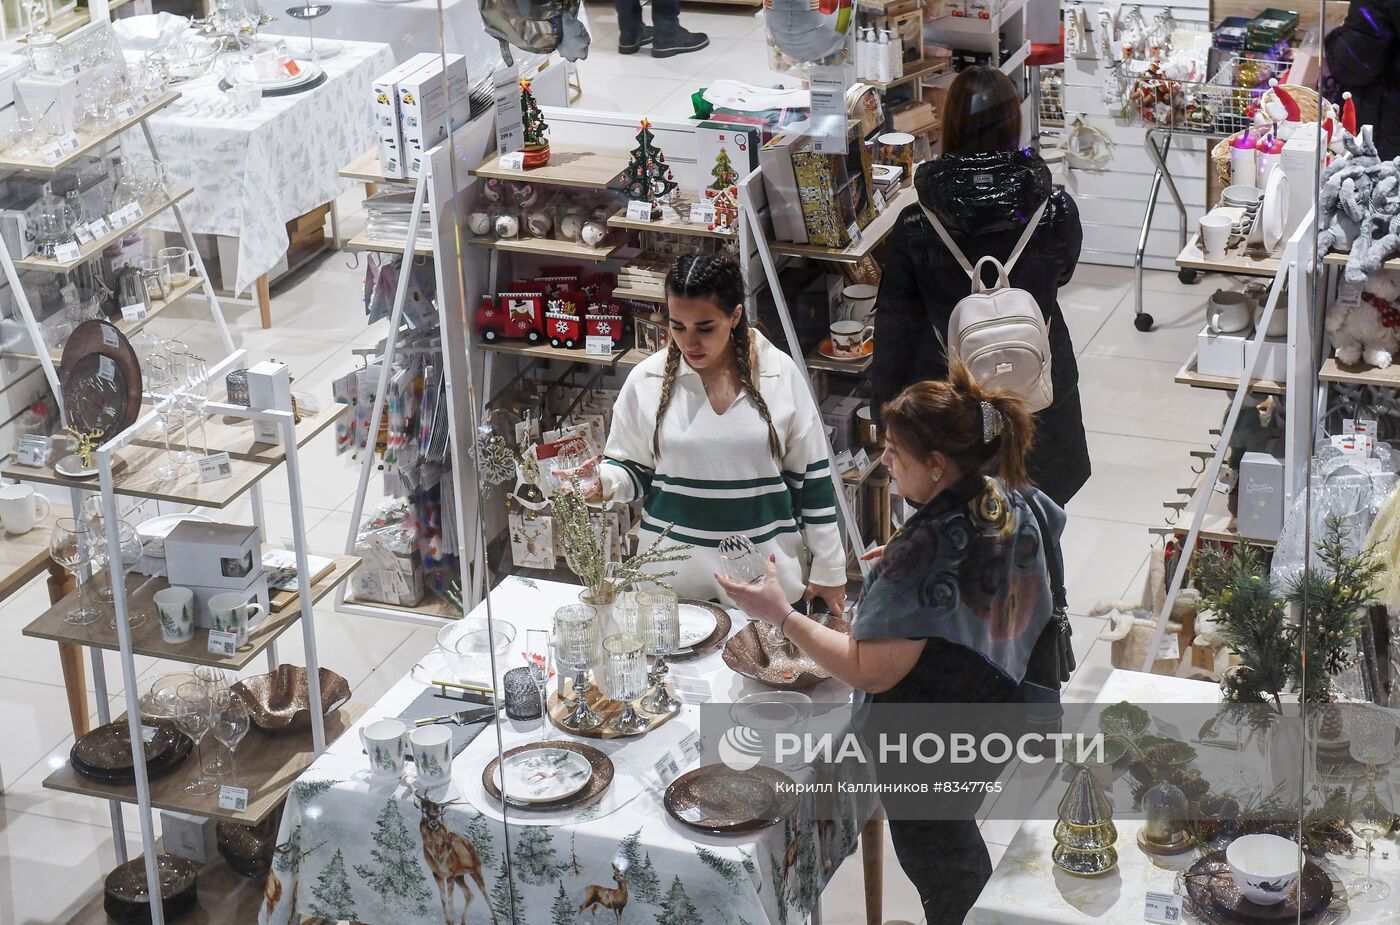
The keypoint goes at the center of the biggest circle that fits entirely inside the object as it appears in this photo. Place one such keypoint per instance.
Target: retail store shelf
(1017, 60)
(870, 237)
(235, 435)
(433, 611)
(918, 72)
(25, 556)
(843, 367)
(1340, 260)
(1359, 374)
(86, 143)
(971, 25)
(545, 352)
(548, 247)
(366, 169)
(620, 220)
(268, 765)
(363, 242)
(641, 295)
(87, 251)
(569, 165)
(129, 328)
(1187, 375)
(223, 898)
(1219, 524)
(1236, 261)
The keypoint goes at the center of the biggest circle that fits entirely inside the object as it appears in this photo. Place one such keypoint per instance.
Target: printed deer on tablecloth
(614, 898)
(451, 858)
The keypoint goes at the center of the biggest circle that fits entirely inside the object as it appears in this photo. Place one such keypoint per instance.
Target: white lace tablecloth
(350, 849)
(254, 172)
(1027, 889)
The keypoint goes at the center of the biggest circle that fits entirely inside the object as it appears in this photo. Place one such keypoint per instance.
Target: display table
(254, 172)
(1027, 889)
(340, 832)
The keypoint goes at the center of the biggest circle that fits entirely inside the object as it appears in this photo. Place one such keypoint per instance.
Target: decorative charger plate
(750, 654)
(1215, 898)
(104, 754)
(719, 800)
(591, 792)
(714, 616)
(101, 380)
(125, 897)
(543, 775)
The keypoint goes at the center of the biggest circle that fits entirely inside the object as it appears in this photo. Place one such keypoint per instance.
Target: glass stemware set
(79, 545)
(1370, 807)
(207, 705)
(178, 382)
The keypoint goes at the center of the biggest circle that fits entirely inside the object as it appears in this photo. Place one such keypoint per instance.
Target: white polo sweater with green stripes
(716, 474)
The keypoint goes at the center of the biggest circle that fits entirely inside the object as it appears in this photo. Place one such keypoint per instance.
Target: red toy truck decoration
(511, 316)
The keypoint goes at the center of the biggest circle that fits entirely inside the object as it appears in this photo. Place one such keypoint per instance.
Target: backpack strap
(1026, 237)
(1005, 269)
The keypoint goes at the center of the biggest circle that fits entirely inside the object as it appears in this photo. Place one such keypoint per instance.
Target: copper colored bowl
(280, 702)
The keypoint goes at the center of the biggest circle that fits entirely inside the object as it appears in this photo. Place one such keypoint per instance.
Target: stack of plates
(551, 775)
(307, 71)
(104, 754)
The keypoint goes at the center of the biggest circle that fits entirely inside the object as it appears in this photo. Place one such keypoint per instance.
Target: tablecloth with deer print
(394, 854)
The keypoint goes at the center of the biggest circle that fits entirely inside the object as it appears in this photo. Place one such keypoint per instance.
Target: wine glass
(661, 633)
(576, 650)
(161, 384)
(73, 546)
(177, 354)
(131, 553)
(537, 659)
(194, 716)
(215, 683)
(1369, 816)
(231, 722)
(739, 561)
(624, 680)
(196, 395)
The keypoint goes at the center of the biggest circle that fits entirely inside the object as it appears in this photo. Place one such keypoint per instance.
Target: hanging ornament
(1084, 834)
(495, 464)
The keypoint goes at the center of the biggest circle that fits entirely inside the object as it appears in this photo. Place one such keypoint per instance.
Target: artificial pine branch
(583, 549)
(1235, 587)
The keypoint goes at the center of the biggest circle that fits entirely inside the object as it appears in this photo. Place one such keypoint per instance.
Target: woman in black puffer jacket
(983, 191)
(1363, 55)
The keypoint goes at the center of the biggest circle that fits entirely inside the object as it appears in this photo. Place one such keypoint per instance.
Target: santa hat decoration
(1284, 107)
(1348, 113)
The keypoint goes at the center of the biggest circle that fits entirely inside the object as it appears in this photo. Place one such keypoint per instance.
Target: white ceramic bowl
(1241, 196)
(1265, 868)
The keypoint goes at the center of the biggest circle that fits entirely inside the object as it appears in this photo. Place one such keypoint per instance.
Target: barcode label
(68, 251)
(879, 201)
(215, 466)
(693, 744)
(639, 210)
(99, 228)
(51, 152)
(70, 142)
(135, 312)
(598, 345)
(83, 233)
(34, 450)
(106, 369)
(126, 110)
(514, 161)
(110, 336)
(233, 798)
(1164, 908)
(666, 768)
(223, 643)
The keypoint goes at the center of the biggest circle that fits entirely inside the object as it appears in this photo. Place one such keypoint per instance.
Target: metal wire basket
(1221, 105)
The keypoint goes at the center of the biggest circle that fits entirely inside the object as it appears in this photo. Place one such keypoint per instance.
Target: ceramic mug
(432, 753)
(848, 338)
(385, 742)
(175, 607)
(1215, 234)
(231, 612)
(857, 302)
(19, 508)
(867, 428)
(897, 148)
(1229, 312)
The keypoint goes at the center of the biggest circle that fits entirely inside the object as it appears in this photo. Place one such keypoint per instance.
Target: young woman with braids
(951, 614)
(719, 435)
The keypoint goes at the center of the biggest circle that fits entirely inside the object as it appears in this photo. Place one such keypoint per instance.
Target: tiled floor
(54, 847)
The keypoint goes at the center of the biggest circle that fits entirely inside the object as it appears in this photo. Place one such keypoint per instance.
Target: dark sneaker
(632, 46)
(677, 42)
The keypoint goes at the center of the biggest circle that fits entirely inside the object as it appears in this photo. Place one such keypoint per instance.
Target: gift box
(212, 555)
(1219, 354)
(254, 590)
(1260, 490)
(189, 837)
(834, 190)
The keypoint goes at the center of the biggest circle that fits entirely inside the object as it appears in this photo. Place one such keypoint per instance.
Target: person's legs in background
(671, 39)
(947, 861)
(632, 33)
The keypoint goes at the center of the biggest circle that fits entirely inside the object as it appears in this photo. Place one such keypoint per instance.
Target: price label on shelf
(693, 746)
(223, 643)
(33, 450)
(68, 251)
(702, 213)
(126, 110)
(598, 345)
(828, 118)
(99, 228)
(135, 210)
(1164, 908)
(141, 100)
(233, 798)
(638, 210)
(215, 466)
(845, 462)
(83, 233)
(691, 687)
(510, 134)
(148, 733)
(51, 152)
(880, 201)
(70, 142)
(70, 69)
(106, 368)
(514, 161)
(115, 220)
(862, 460)
(109, 336)
(667, 768)
(1170, 646)
(135, 312)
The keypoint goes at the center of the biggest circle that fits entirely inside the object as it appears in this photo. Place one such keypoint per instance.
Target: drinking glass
(176, 261)
(196, 395)
(537, 659)
(177, 354)
(161, 384)
(624, 680)
(214, 680)
(231, 722)
(195, 716)
(1371, 732)
(627, 613)
(1369, 816)
(740, 561)
(661, 632)
(131, 553)
(73, 546)
(576, 650)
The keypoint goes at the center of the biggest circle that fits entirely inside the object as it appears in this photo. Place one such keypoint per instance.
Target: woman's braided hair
(700, 276)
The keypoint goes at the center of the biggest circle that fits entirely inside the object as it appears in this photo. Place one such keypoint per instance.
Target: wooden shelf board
(363, 242)
(662, 225)
(641, 295)
(870, 237)
(843, 367)
(973, 25)
(366, 169)
(569, 165)
(548, 247)
(1187, 375)
(136, 479)
(545, 352)
(859, 476)
(25, 557)
(267, 765)
(1359, 374)
(920, 70)
(1340, 260)
(129, 328)
(235, 435)
(90, 142)
(430, 608)
(93, 248)
(1219, 524)
(1191, 258)
(146, 638)
(223, 898)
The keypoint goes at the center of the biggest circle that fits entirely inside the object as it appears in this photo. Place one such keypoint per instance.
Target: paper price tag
(109, 336)
(70, 69)
(51, 152)
(1170, 646)
(693, 745)
(667, 769)
(126, 110)
(68, 251)
(862, 461)
(514, 161)
(844, 461)
(134, 312)
(598, 345)
(215, 466)
(135, 211)
(880, 201)
(70, 142)
(141, 100)
(828, 118)
(1164, 908)
(106, 369)
(510, 133)
(1349, 294)
(83, 233)
(115, 220)
(99, 228)
(233, 798)
(223, 643)
(692, 688)
(33, 450)
(702, 213)
(639, 210)
(148, 733)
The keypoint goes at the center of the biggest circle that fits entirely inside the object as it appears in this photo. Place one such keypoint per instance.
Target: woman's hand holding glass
(765, 600)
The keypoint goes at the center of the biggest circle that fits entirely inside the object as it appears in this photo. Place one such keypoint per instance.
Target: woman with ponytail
(951, 613)
(719, 435)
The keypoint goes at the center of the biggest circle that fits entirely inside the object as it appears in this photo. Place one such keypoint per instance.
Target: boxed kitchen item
(189, 837)
(1219, 354)
(839, 411)
(11, 68)
(780, 183)
(269, 389)
(254, 590)
(51, 96)
(739, 144)
(213, 555)
(391, 567)
(427, 108)
(834, 190)
(1273, 359)
(1260, 510)
(386, 114)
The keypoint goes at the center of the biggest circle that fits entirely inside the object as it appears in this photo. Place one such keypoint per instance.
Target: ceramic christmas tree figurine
(536, 129)
(647, 177)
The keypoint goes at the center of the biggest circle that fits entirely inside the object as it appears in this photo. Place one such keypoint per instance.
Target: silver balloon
(539, 26)
(809, 32)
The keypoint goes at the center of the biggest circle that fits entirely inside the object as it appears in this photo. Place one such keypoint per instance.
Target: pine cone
(1222, 806)
(1159, 755)
(1140, 789)
(1190, 781)
(1332, 727)
(1141, 772)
